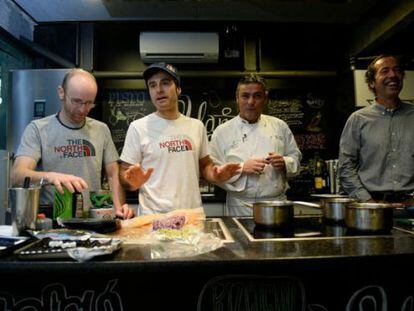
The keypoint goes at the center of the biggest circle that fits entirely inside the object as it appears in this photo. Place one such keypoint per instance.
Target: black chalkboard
(308, 116)
(307, 112)
(120, 108)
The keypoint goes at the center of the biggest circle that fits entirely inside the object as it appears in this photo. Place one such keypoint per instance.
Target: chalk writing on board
(126, 106)
(371, 296)
(184, 105)
(211, 121)
(315, 102)
(301, 113)
(225, 292)
(120, 108)
(310, 141)
(289, 110)
(211, 113)
(55, 297)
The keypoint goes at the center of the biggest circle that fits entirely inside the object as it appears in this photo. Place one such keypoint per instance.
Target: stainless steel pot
(369, 216)
(272, 213)
(333, 208)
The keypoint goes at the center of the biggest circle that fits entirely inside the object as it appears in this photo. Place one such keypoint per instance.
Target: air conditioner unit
(179, 47)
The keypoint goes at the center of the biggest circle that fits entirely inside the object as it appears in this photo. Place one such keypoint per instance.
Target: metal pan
(333, 209)
(370, 216)
(272, 213)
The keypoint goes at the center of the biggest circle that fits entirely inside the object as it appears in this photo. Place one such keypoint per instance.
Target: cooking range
(309, 227)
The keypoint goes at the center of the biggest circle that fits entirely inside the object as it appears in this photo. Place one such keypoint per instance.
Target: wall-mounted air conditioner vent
(179, 47)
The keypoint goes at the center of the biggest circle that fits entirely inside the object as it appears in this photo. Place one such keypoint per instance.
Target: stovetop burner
(305, 227)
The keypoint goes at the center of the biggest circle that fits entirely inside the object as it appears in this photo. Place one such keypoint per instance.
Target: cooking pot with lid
(369, 216)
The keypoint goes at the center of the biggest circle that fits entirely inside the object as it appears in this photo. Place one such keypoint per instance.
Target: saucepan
(333, 209)
(272, 213)
(281, 213)
(370, 216)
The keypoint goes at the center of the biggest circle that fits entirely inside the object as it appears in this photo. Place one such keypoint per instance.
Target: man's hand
(254, 165)
(71, 182)
(125, 212)
(226, 171)
(277, 161)
(136, 176)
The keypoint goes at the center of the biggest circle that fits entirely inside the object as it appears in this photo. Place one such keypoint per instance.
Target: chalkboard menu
(308, 116)
(122, 106)
(306, 112)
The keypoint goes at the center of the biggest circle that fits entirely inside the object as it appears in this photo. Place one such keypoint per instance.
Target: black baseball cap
(167, 68)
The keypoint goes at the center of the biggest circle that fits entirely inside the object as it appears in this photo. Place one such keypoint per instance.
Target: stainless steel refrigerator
(33, 95)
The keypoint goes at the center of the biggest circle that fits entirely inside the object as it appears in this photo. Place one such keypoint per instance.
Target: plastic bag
(80, 245)
(105, 247)
(186, 242)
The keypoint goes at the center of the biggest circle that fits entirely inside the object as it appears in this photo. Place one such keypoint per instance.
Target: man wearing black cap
(165, 151)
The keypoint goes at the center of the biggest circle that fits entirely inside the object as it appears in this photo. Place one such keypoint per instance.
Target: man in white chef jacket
(264, 146)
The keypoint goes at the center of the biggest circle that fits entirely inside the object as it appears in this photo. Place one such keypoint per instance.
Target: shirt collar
(245, 122)
(381, 108)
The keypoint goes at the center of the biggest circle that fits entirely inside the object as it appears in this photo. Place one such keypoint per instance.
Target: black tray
(11, 244)
(40, 249)
(96, 225)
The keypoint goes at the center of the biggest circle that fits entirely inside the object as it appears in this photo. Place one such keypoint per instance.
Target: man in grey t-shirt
(69, 147)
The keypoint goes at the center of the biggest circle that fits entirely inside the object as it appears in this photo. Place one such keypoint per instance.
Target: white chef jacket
(237, 141)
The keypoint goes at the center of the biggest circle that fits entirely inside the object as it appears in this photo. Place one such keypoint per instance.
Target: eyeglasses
(79, 103)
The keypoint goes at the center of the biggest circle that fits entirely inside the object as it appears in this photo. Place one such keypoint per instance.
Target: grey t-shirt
(56, 148)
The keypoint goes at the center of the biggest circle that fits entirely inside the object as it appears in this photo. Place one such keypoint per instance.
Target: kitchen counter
(332, 273)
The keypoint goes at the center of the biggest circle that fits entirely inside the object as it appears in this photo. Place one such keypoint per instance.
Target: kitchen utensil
(272, 213)
(24, 205)
(26, 183)
(369, 216)
(96, 225)
(328, 195)
(332, 166)
(333, 208)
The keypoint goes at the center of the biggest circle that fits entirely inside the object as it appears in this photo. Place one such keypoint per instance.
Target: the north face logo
(76, 148)
(177, 145)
